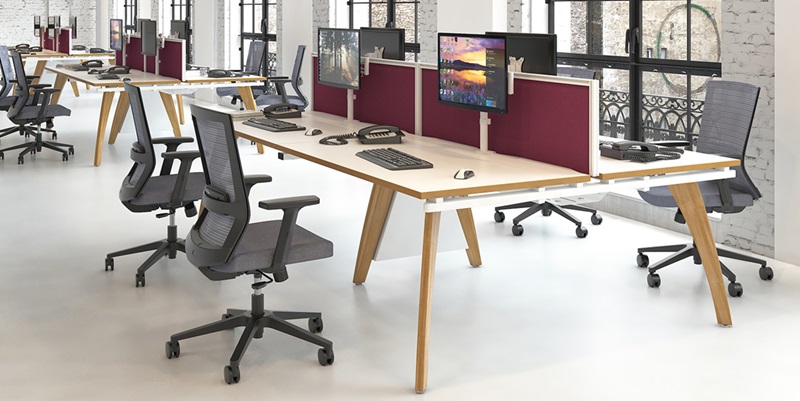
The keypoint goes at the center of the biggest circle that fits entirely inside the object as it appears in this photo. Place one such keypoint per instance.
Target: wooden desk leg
(61, 80)
(468, 226)
(690, 201)
(169, 105)
(75, 89)
(430, 241)
(39, 70)
(377, 210)
(105, 109)
(119, 116)
(250, 104)
(181, 116)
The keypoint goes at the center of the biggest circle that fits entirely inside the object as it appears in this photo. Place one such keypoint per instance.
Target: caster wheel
(72, 151)
(499, 217)
(54, 136)
(546, 212)
(642, 260)
(597, 219)
(735, 290)
(517, 230)
(109, 264)
(581, 232)
(653, 280)
(173, 349)
(766, 273)
(315, 325)
(226, 316)
(325, 357)
(2, 156)
(139, 280)
(20, 160)
(232, 374)
(64, 157)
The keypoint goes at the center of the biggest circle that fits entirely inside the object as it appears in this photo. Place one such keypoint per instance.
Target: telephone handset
(282, 110)
(35, 48)
(22, 46)
(638, 151)
(378, 134)
(119, 69)
(92, 63)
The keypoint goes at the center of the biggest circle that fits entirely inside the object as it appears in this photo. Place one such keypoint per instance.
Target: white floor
(548, 316)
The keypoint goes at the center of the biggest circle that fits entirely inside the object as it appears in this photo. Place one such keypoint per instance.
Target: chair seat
(32, 112)
(257, 245)
(266, 100)
(158, 189)
(7, 102)
(234, 91)
(661, 196)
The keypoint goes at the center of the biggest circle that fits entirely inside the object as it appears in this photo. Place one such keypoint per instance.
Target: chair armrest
(186, 158)
(252, 180)
(726, 196)
(172, 145)
(46, 93)
(39, 86)
(278, 78)
(291, 207)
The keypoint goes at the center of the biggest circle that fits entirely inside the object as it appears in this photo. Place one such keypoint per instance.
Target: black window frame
(130, 14)
(263, 35)
(391, 18)
(184, 12)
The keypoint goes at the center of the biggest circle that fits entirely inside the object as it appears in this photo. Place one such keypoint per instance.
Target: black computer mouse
(315, 132)
(464, 174)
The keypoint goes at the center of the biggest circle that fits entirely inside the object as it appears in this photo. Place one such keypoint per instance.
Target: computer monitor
(73, 26)
(339, 60)
(115, 34)
(149, 38)
(392, 40)
(179, 28)
(37, 25)
(538, 49)
(472, 72)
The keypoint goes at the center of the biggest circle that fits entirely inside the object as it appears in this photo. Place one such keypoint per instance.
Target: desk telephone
(119, 69)
(372, 135)
(282, 110)
(92, 63)
(222, 73)
(638, 151)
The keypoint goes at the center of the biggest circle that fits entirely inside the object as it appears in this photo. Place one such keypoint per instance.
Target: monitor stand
(485, 122)
(350, 100)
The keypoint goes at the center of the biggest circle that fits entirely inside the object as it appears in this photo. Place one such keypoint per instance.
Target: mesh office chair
(724, 130)
(29, 112)
(298, 99)
(547, 208)
(254, 65)
(141, 191)
(7, 94)
(223, 244)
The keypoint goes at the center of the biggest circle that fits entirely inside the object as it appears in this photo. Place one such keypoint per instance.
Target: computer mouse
(464, 174)
(316, 132)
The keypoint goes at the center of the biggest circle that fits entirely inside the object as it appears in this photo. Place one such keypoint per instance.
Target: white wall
(467, 16)
(205, 51)
(297, 21)
(499, 15)
(787, 132)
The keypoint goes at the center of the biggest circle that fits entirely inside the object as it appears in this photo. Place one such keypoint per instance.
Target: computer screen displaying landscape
(473, 72)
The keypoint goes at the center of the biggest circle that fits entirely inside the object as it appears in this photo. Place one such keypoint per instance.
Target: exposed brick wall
(514, 10)
(17, 19)
(427, 30)
(322, 18)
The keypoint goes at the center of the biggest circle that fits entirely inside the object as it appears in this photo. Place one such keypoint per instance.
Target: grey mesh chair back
(7, 70)
(575, 72)
(23, 90)
(226, 211)
(296, 79)
(255, 58)
(725, 128)
(142, 154)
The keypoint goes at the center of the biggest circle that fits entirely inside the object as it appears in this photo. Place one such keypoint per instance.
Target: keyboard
(393, 159)
(273, 125)
(107, 75)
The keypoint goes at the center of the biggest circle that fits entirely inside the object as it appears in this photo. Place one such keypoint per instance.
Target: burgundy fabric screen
(443, 121)
(547, 122)
(47, 44)
(328, 99)
(170, 59)
(117, 57)
(151, 64)
(386, 97)
(64, 41)
(133, 54)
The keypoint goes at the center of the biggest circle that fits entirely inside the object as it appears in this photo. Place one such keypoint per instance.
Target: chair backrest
(142, 153)
(23, 90)
(226, 211)
(575, 72)
(725, 126)
(296, 79)
(7, 70)
(255, 57)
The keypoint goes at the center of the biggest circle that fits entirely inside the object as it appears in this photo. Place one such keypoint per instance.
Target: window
(258, 22)
(181, 10)
(129, 13)
(389, 14)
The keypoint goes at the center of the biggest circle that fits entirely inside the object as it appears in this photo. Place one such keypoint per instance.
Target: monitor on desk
(538, 50)
(339, 59)
(115, 34)
(149, 37)
(179, 28)
(472, 72)
(73, 26)
(37, 25)
(391, 42)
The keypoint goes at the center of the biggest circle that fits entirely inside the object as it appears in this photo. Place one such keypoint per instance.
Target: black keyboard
(270, 124)
(393, 159)
(107, 75)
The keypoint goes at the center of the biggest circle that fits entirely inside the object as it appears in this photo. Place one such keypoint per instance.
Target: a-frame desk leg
(377, 210)
(119, 116)
(468, 226)
(250, 104)
(430, 241)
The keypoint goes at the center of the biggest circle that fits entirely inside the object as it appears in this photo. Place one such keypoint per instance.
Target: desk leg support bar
(690, 202)
(105, 110)
(468, 226)
(430, 241)
(119, 116)
(250, 104)
(181, 113)
(377, 210)
(61, 80)
(169, 106)
(75, 89)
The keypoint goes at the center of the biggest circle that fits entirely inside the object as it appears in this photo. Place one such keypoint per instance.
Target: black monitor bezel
(184, 27)
(551, 37)
(401, 44)
(153, 39)
(73, 25)
(121, 33)
(37, 25)
(493, 110)
(319, 60)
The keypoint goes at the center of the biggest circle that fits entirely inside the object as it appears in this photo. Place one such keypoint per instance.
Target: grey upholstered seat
(253, 65)
(724, 130)
(223, 244)
(298, 99)
(157, 191)
(32, 112)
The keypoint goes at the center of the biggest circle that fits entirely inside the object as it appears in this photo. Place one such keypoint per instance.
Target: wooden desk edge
(667, 170)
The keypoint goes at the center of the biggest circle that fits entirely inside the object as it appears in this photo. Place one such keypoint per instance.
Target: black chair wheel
(139, 280)
(325, 357)
(499, 216)
(172, 349)
(653, 280)
(2, 156)
(71, 150)
(581, 232)
(546, 212)
(109, 264)
(735, 290)
(766, 273)
(517, 230)
(232, 374)
(226, 316)
(315, 325)
(64, 157)
(597, 219)
(54, 136)
(20, 160)
(642, 260)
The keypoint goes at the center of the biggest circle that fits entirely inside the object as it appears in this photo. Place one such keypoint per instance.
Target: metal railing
(663, 117)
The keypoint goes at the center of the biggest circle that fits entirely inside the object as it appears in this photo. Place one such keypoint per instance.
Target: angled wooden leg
(87, 87)
(468, 226)
(75, 89)
(119, 116)
(430, 241)
(105, 109)
(61, 80)
(690, 202)
(250, 104)
(40, 64)
(377, 210)
(181, 116)
(169, 106)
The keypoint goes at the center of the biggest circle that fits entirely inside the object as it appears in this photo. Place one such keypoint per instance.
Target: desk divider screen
(328, 99)
(172, 59)
(446, 122)
(386, 96)
(118, 59)
(47, 44)
(64, 41)
(133, 53)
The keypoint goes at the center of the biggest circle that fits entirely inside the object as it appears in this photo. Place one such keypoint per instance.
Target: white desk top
(137, 78)
(194, 76)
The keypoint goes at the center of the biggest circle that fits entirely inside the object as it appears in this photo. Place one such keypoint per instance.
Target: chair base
(547, 208)
(254, 322)
(684, 251)
(168, 247)
(37, 144)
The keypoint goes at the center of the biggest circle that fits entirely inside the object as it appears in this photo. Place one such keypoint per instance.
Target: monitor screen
(179, 28)
(115, 34)
(149, 37)
(473, 72)
(51, 22)
(37, 25)
(73, 25)
(339, 58)
(537, 49)
(390, 42)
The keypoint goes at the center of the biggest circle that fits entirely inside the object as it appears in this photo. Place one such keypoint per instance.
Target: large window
(258, 22)
(653, 59)
(181, 10)
(129, 13)
(389, 14)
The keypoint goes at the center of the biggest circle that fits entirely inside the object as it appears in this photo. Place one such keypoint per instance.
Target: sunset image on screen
(470, 70)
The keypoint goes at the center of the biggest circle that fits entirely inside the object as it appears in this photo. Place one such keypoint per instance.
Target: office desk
(498, 180)
(45, 55)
